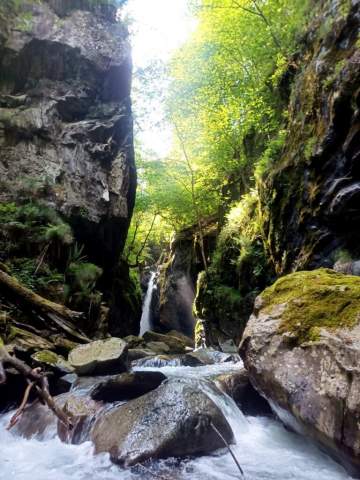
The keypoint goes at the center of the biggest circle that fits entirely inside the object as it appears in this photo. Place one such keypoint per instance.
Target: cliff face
(310, 201)
(306, 206)
(65, 116)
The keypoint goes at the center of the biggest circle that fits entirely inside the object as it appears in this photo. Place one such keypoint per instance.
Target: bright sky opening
(159, 28)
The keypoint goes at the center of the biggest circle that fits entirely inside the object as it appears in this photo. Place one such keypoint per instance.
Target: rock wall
(66, 124)
(177, 287)
(65, 116)
(311, 199)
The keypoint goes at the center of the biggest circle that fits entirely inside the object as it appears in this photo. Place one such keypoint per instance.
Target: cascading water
(264, 448)
(145, 322)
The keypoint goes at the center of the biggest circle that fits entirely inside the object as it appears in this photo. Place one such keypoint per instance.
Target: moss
(314, 300)
(46, 356)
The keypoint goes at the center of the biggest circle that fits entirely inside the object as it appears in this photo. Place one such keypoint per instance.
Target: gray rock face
(65, 117)
(312, 197)
(102, 357)
(177, 289)
(173, 420)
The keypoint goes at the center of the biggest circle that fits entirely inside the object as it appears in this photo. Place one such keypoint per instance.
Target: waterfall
(145, 322)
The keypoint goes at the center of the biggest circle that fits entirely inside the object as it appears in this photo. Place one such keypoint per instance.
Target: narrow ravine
(265, 449)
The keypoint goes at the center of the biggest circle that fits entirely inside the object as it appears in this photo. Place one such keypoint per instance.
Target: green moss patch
(316, 299)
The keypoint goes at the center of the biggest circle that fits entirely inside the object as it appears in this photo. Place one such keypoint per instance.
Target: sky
(158, 28)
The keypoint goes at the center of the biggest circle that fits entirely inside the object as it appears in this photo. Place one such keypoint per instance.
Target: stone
(158, 347)
(228, 346)
(233, 384)
(301, 348)
(188, 341)
(102, 357)
(209, 356)
(82, 411)
(127, 386)
(52, 361)
(137, 353)
(175, 344)
(172, 421)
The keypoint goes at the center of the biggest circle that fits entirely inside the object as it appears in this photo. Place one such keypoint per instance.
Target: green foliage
(61, 233)
(81, 278)
(25, 270)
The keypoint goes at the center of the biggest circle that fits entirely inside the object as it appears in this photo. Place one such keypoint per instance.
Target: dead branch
(15, 418)
(40, 381)
(56, 313)
(219, 434)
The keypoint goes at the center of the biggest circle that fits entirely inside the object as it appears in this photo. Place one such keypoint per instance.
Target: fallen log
(58, 314)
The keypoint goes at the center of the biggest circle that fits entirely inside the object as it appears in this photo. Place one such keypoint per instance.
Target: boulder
(158, 347)
(137, 353)
(233, 384)
(208, 356)
(127, 385)
(51, 361)
(172, 421)
(82, 411)
(175, 344)
(188, 341)
(301, 348)
(101, 357)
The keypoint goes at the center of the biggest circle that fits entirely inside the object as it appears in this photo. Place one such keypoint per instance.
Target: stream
(264, 448)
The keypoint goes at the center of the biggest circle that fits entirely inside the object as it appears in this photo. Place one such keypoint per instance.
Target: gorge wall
(66, 126)
(305, 208)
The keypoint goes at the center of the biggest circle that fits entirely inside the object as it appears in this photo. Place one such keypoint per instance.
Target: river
(265, 449)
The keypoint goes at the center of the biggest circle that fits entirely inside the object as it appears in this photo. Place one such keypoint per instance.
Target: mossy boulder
(301, 348)
(313, 300)
(52, 361)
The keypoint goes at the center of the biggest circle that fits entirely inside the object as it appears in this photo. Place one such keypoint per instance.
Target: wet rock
(137, 353)
(51, 361)
(175, 344)
(233, 384)
(63, 384)
(127, 386)
(349, 268)
(82, 411)
(102, 357)
(134, 342)
(208, 356)
(173, 420)
(188, 341)
(228, 346)
(158, 347)
(36, 421)
(159, 361)
(301, 348)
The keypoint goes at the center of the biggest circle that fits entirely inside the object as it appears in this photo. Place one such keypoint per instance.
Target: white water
(264, 448)
(145, 324)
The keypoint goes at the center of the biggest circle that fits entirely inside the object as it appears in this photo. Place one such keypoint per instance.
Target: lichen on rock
(312, 300)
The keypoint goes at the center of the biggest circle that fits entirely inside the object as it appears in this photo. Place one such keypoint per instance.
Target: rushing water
(264, 448)
(145, 322)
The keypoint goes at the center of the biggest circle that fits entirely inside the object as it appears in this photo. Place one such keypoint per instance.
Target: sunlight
(158, 28)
